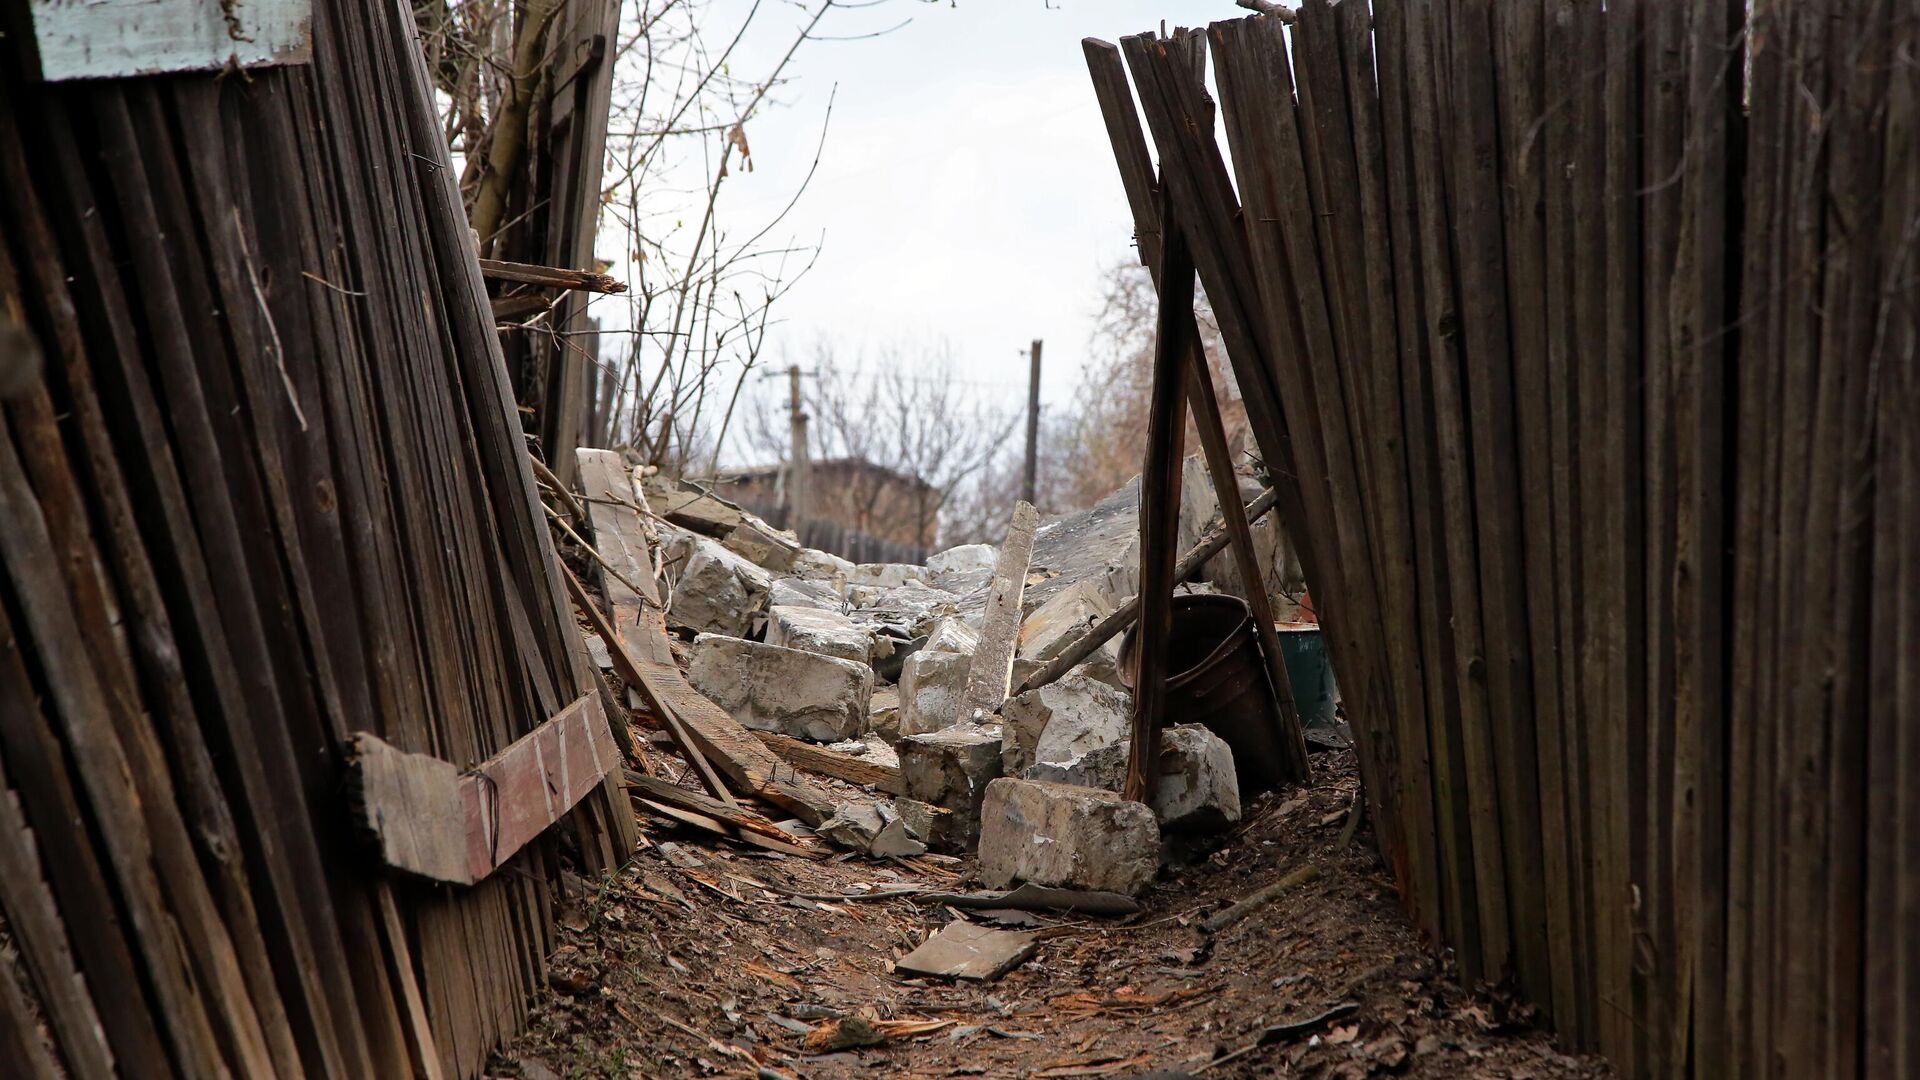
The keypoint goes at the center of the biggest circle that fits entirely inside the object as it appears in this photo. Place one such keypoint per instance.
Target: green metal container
(1305, 651)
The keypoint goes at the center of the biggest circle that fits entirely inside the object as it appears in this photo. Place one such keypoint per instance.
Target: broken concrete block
(717, 591)
(1061, 721)
(825, 566)
(813, 630)
(954, 635)
(1197, 790)
(1067, 615)
(1104, 767)
(1054, 834)
(1198, 503)
(887, 575)
(959, 560)
(928, 823)
(689, 507)
(801, 592)
(762, 544)
(770, 688)
(951, 768)
(883, 712)
(875, 828)
(964, 950)
(930, 687)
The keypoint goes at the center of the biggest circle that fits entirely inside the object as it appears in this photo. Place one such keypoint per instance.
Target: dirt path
(695, 970)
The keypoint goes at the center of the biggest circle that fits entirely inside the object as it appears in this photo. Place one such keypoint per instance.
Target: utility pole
(1033, 421)
(799, 468)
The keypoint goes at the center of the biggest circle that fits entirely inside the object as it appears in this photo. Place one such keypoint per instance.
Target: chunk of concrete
(1060, 722)
(814, 630)
(887, 575)
(1065, 617)
(1197, 790)
(960, 560)
(875, 828)
(883, 712)
(803, 592)
(762, 544)
(1055, 834)
(770, 688)
(716, 591)
(952, 768)
(953, 634)
(930, 687)
(1104, 767)
(928, 823)
(815, 565)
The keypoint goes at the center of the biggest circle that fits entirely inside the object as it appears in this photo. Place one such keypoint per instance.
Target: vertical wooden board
(1619, 655)
(1431, 81)
(1660, 113)
(1520, 33)
(1885, 1048)
(1386, 428)
(1564, 269)
(1491, 443)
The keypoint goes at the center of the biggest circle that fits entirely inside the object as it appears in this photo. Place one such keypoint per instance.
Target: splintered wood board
(429, 818)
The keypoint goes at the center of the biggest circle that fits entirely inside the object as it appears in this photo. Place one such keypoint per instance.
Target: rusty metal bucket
(1216, 678)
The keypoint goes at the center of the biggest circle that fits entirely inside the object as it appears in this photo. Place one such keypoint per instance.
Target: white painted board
(106, 39)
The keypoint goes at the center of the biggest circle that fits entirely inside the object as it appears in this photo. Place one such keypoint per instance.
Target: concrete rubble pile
(872, 660)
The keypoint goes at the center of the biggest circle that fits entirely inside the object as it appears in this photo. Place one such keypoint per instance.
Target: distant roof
(763, 472)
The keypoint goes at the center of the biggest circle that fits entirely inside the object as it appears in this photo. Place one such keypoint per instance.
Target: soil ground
(689, 966)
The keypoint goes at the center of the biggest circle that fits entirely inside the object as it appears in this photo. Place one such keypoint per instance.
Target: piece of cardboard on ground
(964, 950)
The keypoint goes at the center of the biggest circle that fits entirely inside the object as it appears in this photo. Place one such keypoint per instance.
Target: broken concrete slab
(770, 688)
(1103, 767)
(989, 679)
(814, 630)
(824, 566)
(763, 545)
(930, 688)
(1060, 622)
(691, 507)
(911, 608)
(804, 592)
(887, 575)
(883, 713)
(952, 768)
(964, 950)
(928, 823)
(1055, 834)
(953, 634)
(875, 828)
(715, 591)
(962, 559)
(1063, 721)
(1198, 790)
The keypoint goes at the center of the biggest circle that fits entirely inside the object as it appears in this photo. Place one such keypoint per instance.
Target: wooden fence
(265, 488)
(1583, 340)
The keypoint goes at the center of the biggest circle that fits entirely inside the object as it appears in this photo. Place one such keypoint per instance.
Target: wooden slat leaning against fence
(265, 489)
(1588, 337)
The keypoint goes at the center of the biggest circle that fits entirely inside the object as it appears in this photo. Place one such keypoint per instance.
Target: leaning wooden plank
(990, 674)
(654, 789)
(550, 276)
(40, 935)
(1160, 505)
(428, 818)
(854, 770)
(628, 665)
(722, 828)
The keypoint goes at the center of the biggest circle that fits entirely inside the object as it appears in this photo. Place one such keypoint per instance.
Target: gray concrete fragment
(883, 713)
(714, 591)
(1103, 767)
(953, 634)
(930, 688)
(928, 823)
(803, 592)
(959, 560)
(887, 575)
(821, 566)
(1062, 721)
(814, 630)
(763, 545)
(875, 828)
(1066, 616)
(1054, 834)
(769, 688)
(951, 769)
(1197, 790)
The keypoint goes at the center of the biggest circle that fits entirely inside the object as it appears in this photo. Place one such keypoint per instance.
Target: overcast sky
(967, 193)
